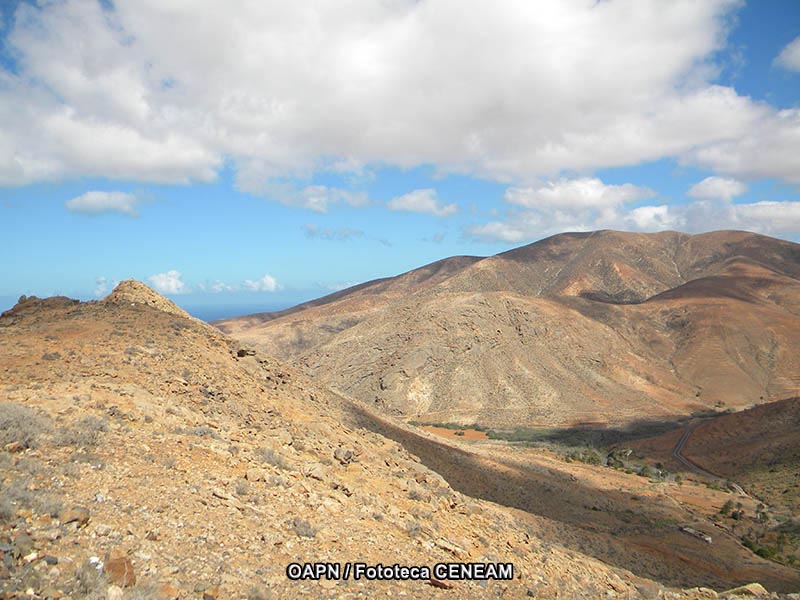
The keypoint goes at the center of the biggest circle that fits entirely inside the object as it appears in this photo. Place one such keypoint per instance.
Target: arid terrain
(757, 449)
(580, 347)
(603, 328)
(147, 454)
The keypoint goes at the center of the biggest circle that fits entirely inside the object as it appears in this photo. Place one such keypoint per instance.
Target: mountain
(143, 448)
(601, 329)
(144, 454)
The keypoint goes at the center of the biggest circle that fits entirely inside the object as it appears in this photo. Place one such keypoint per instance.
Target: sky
(249, 155)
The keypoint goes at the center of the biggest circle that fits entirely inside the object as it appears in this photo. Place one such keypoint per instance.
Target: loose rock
(120, 571)
(76, 514)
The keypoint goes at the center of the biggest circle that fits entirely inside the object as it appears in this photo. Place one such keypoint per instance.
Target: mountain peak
(135, 292)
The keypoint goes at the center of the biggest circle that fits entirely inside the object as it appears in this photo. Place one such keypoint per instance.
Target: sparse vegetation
(303, 528)
(388, 494)
(203, 431)
(83, 434)
(415, 495)
(21, 425)
(17, 494)
(413, 528)
(90, 582)
(272, 457)
(7, 509)
(585, 455)
(455, 426)
(574, 437)
(726, 508)
(257, 593)
(242, 488)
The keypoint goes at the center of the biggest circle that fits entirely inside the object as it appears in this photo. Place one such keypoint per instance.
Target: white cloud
(101, 287)
(266, 284)
(717, 188)
(220, 286)
(340, 234)
(338, 286)
(581, 204)
(96, 203)
(770, 149)
(769, 217)
(772, 218)
(216, 287)
(789, 58)
(523, 229)
(654, 218)
(583, 193)
(422, 201)
(299, 89)
(317, 198)
(169, 282)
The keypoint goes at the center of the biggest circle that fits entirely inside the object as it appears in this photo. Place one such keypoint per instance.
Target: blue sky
(260, 154)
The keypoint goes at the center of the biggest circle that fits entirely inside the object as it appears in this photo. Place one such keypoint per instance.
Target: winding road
(676, 452)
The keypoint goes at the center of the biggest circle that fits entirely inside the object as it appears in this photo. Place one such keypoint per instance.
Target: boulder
(120, 571)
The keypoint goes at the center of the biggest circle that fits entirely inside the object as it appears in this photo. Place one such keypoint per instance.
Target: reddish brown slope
(604, 326)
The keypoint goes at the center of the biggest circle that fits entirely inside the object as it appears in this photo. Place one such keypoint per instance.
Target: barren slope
(603, 327)
(758, 448)
(145, 439)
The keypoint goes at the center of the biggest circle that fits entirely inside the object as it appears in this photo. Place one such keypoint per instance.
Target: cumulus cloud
(789, 58)
(221, 286)
(299, 89)
(266, 284)
(96, 203)
(768, 217)
(216, 287)
(169, 282)
(653, 218)
(422, 201)
(771, 149)
(340, 234)
(577, 194)
(524, 228)
(717, 188)
(580, 204)
(543, 211)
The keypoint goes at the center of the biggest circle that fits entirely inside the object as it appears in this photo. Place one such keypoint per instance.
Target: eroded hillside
(139, 444)
(600, 328)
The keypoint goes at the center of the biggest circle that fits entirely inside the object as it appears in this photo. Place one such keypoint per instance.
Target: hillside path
(676, 452)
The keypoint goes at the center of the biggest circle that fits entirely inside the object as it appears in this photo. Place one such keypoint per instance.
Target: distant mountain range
(581, 328)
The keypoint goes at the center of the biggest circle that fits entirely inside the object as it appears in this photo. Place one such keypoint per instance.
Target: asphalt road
(676, 452)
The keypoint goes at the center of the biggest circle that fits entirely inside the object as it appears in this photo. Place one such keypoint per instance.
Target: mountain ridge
(667, 314)
(147, 450)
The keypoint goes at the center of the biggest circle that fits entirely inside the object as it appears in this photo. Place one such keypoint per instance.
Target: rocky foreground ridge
(144, 454)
